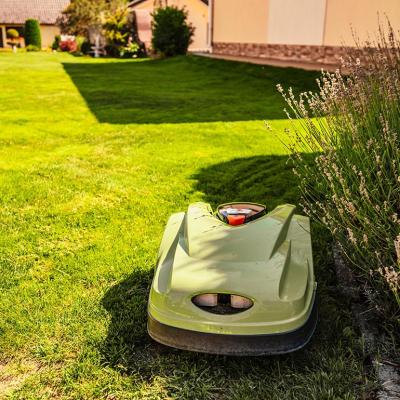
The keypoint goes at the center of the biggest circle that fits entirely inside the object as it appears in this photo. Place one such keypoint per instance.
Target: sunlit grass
(83, 204)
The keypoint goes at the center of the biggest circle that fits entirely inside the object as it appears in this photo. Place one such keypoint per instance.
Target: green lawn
(94, 156)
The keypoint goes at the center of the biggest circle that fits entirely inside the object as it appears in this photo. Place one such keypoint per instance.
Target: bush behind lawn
(354, 185)
(33, 36)
(172, 34)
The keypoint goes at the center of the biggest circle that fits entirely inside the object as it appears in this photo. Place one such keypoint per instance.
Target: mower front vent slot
(222, 303)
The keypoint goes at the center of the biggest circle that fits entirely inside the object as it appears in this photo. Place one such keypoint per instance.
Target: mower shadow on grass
(322, 363)
(261, 179)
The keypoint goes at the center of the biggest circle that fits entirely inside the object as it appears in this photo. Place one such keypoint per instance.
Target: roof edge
(136, 2)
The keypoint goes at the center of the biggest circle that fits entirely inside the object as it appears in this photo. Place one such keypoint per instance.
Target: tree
(82, 15)
(32, 34)
(172, 34)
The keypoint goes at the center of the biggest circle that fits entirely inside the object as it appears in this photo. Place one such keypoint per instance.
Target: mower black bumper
(234, 345)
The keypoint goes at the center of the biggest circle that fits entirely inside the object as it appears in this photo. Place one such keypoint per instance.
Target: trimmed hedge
(32, 33)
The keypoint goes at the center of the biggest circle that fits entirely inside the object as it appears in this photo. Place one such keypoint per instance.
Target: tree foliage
(118, 28)
(82, 15)
(120, 33)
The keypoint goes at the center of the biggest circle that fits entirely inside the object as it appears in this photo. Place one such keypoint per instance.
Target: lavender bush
(352, 126)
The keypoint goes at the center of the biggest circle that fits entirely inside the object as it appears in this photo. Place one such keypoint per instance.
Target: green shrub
(112, 50)
(56, 43)
(129, 51)
(31, 47)
(86, 47)
(354, 185)
(172, 34)
(79, 42)
(12, 34)
(32, 33)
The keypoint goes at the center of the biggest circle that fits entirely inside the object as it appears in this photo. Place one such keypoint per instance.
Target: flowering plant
(68, 45)
(352, 128)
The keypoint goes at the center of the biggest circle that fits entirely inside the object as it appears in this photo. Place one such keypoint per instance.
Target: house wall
(197, 16)
(238, 21)
(145, 5)
(296, 30)
(362, 15)
(48, 34)
(296, 22)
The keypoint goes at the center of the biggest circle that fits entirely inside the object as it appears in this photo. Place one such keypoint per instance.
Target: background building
(14, 13)
(296, 30)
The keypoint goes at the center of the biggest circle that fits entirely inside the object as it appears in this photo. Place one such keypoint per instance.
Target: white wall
(296, 21)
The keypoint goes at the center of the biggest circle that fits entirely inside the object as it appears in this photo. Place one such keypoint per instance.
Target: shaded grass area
(185, 89)
(82, 209)
(265, 179)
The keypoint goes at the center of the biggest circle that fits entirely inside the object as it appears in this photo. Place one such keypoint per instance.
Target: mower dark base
(233, 345)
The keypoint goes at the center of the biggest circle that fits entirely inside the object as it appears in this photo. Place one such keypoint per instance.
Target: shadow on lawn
(266, 179)
(184, 89)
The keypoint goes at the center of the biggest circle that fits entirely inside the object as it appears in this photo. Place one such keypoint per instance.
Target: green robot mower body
(237, 283)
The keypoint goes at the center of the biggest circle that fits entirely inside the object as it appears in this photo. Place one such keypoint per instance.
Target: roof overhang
(15, 12)
(134, 3)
